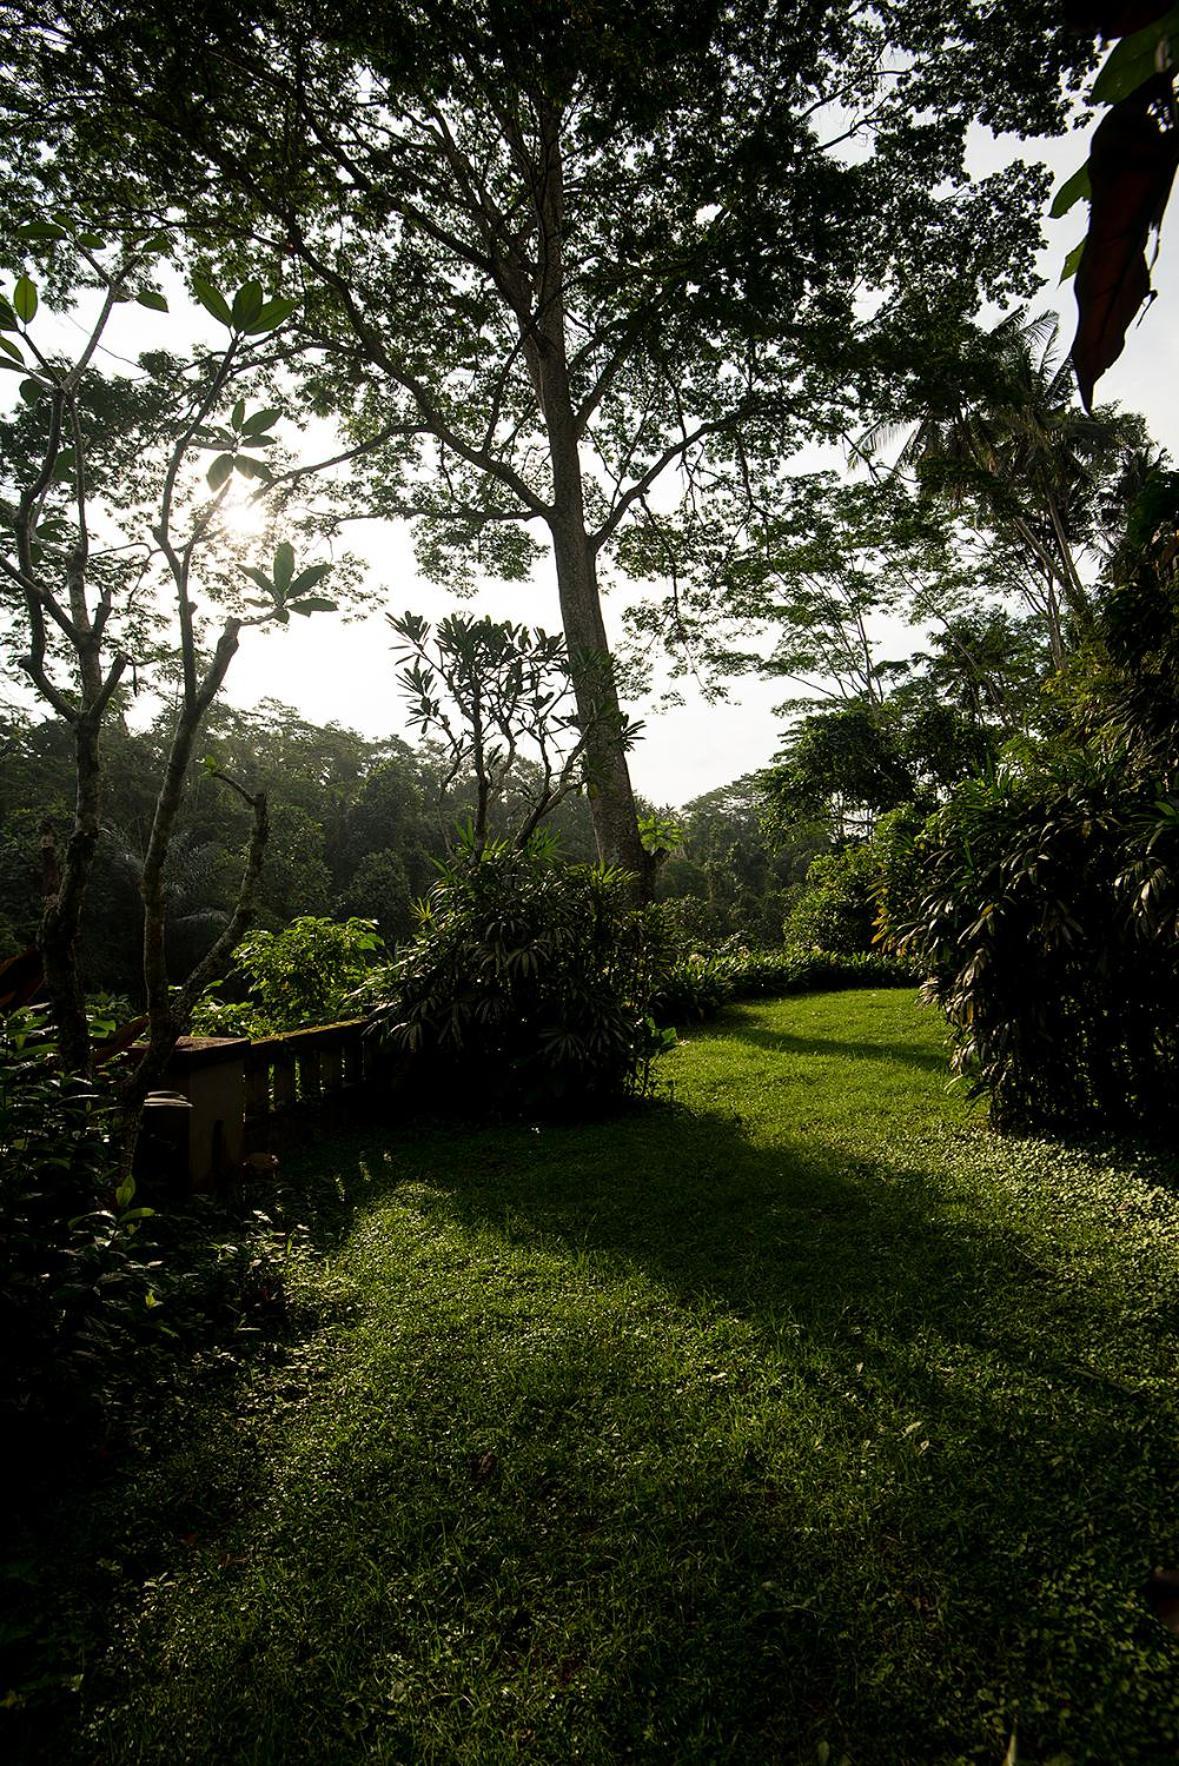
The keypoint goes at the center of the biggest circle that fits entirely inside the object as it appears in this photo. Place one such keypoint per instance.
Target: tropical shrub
(1048, 927)
(1048, 918)
(312, 972)
(693, 988)
(839, 905)
(528, 985)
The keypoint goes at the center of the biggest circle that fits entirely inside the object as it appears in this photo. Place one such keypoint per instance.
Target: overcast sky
(342, 672)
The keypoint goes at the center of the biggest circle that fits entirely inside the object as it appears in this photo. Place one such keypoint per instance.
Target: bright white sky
(343, 672)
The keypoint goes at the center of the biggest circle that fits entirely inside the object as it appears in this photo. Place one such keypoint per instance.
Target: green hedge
(696, 987)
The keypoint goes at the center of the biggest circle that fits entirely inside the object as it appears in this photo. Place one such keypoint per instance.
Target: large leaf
(1072, 262)
(308, 578)
(247, 305)
(1071, 192)
(220, 470)
(271, 315)
(41, 230)
(284, 566)
(212, 299)
(1135, 60)
(257, 421)
(1131, 167)
(151, 297)
(24, 300)
(260, 577)
(252, 468)
(312, 604)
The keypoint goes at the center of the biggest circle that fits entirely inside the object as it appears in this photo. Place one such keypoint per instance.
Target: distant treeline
(356, 826)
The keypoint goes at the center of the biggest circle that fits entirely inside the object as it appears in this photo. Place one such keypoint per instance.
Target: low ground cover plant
(697, 985)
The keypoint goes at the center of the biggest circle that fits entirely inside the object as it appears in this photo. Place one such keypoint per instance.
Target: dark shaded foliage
(105, 1301)
(1043, 933)
(528, 986)
(1131, 168)
(1047, 916)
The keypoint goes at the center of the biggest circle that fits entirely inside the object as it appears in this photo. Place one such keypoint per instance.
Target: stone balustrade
(241, 1097)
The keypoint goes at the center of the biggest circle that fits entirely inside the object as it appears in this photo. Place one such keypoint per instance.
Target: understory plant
(315, 971)
(1048, 932)
(696, 986)
(104, 1301)
(528, 986)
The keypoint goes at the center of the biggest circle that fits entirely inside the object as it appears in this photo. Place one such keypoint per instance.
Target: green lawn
(793, 1412)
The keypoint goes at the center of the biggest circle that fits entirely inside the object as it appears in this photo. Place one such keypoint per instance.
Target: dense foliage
(104, 1299)
(528, 986)
(1044, 900)
(834, 909)
(312, 972)
(1035, 926)
(697, 985)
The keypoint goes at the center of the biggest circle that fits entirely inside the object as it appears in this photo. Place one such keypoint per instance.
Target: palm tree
(1003, 441)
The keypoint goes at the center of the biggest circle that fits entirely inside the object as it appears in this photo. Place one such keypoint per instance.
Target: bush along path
(792, 1418)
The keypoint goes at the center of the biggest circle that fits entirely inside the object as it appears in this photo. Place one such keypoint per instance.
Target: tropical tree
(499, 699)
(111, 531)
(570, 269)
(1003, 441)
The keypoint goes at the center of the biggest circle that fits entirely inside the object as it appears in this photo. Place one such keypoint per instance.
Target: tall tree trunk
(612, 801)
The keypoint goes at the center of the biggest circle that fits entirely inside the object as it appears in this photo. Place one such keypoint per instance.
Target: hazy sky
(343, 672)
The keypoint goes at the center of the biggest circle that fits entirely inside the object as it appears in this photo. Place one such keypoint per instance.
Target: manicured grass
(797, 1410)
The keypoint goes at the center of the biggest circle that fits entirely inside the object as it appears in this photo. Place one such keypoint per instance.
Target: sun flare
(243, 519)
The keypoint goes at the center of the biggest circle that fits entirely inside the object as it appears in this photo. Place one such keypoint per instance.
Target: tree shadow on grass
(897, 1306)
(791, 1445)
(779, 1042)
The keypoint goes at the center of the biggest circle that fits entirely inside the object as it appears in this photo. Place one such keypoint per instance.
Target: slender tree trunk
(168, 1014)
(65, 891)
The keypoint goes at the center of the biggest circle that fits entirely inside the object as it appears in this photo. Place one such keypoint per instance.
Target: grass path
(796, 1412)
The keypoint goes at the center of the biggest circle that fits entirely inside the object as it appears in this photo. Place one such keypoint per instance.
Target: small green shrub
(694, 988)
(312, 972)
(528, 985)
(834, 908)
